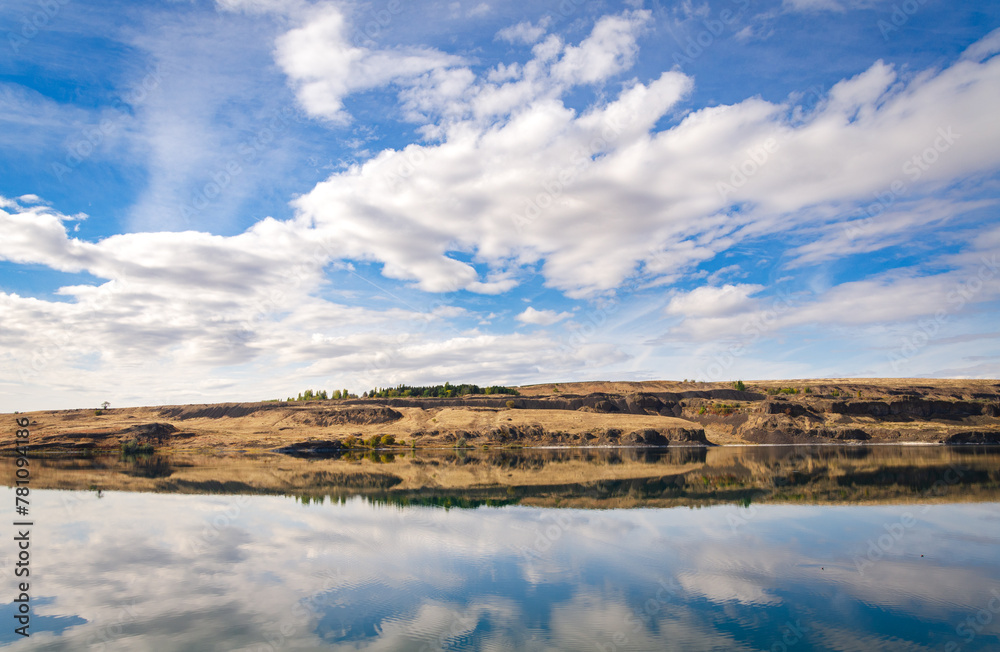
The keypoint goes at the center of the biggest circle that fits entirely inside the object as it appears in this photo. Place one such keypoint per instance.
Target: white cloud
(257, 307)
(542, 317)
(610, 49)
(263, 6)
(512, 191)
(714, 301)
(324, 66)
(525, 32)
(984, 47)
(813, 5)
(481, 9)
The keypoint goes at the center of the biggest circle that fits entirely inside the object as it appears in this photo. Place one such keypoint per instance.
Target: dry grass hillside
(652, 413)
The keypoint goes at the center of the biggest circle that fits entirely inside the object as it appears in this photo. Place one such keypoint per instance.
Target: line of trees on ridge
(437, 391)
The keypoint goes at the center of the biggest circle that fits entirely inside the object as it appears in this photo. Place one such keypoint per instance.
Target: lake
(756, 548)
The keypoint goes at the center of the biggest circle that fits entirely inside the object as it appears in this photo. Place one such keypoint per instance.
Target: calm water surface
(736, 549)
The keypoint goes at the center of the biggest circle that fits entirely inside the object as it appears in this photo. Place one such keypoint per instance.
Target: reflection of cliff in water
(583, 478)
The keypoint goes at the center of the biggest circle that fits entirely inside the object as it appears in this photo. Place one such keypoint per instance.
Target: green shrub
(136, 447)
(739, 386)
(388, 440)
(809, 390)
(98, 412)
(461, 443)
(510, 405)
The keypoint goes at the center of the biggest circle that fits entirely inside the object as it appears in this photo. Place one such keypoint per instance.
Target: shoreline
(588, 478)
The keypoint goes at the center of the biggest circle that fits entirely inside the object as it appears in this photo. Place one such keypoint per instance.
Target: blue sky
(238, 200)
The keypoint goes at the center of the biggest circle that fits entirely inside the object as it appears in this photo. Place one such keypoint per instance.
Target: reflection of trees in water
(562, 477)
(921, 478)
(147, 466)
(687, 455)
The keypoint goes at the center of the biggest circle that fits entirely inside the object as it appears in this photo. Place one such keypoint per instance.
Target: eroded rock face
(504, 434)
(157, 430)
(974, 437)
(655, 437)
(913, 408)
(231, 410)
(360, 415)
(841, 434)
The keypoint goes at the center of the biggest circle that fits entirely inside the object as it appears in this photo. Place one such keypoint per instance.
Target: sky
(242, 199)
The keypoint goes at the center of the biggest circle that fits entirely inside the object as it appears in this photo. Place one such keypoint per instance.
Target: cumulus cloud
(525, 32)
(541, 317)
(645, 203)
(258, 305)
(713, 301)
(324, 66)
